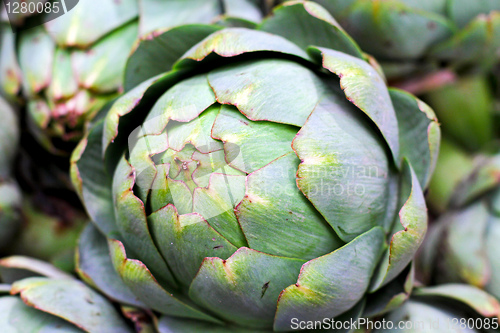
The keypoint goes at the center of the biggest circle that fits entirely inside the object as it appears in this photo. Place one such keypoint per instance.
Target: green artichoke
(400, 32)
(10, 194)
(463, 244)
(48, 231)
(70, 67)
(258, 180)
(445, 309)
(44, 299)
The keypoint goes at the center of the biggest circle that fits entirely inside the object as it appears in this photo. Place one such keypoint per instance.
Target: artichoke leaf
(101, 68)
(142, 283)
(73, 301)
(87, 24)
(94, 266)
(217, 203)
(386, 28)
(157, 52)
(232, 42)
(419, 133)
(33, 266)
(344, 169)
(306, 24)
(365, 88)
(466, 235)
(156, 14)
(478, 41)
(332, 284)
(10, 72)
(15, 316)
(136, 99)
(477, 299)
(132, 223)
(92, 181)
(409, 233)
(392, 295)
(274, 90)
(183, 102)
(463, 11)
(244, 289)
(274, 208)
(247, 142)
(185, 240)
(36, 74)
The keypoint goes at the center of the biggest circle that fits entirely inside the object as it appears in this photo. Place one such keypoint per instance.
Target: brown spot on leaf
(264, 288)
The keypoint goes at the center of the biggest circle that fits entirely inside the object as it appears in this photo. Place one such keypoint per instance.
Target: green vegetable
(67, 69)
(257, 180)
(463, 244)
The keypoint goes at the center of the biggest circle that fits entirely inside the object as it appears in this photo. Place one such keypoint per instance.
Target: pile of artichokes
(250, 166)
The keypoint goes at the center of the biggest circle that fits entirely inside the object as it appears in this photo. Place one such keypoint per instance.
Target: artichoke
(445, 309)
(463, 244)
(37, 224)
(401, 32)
(257, 180)
(44, 299)
(32, 221)
(70, 67)
(10, 194)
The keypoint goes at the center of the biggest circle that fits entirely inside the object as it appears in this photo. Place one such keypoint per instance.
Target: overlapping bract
(37, 297)
(463, 245)
(258, 180)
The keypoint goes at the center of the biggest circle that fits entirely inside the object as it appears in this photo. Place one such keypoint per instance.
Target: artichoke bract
(37, 297)
(70, 67)
(259, 180)
(463, 245)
